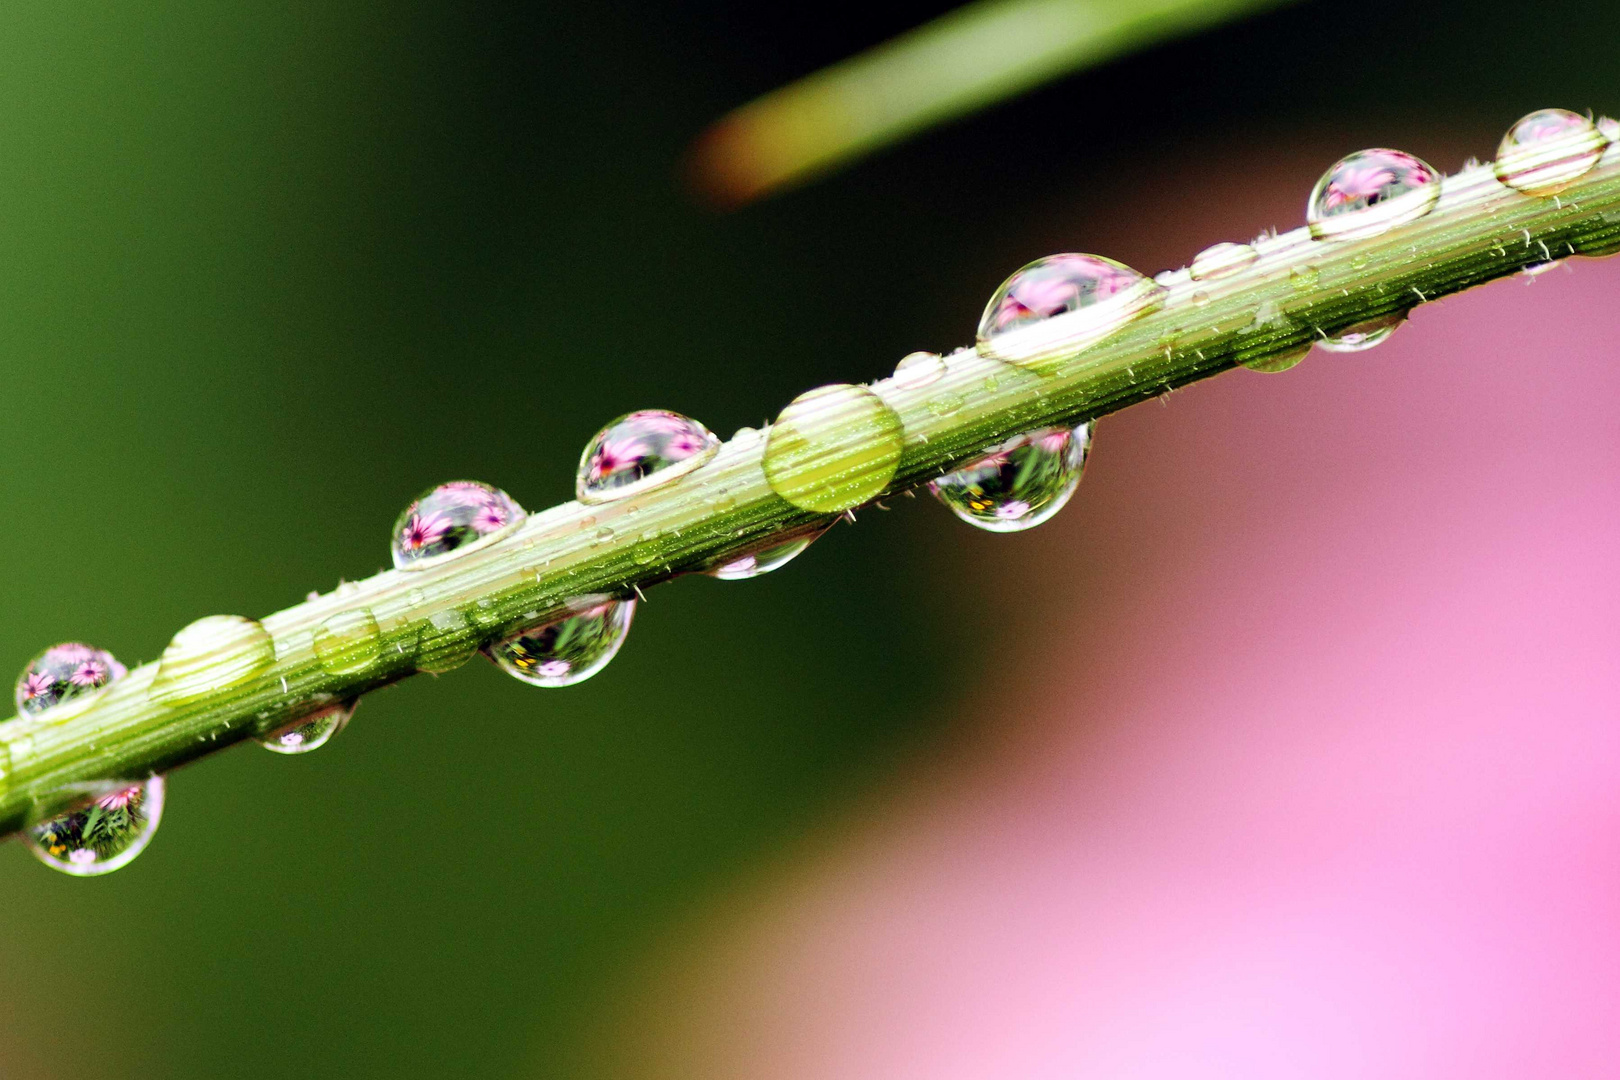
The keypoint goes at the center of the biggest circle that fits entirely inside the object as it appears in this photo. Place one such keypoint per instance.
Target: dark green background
(266, 271)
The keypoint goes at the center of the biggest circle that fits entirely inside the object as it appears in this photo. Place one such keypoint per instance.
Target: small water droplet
(1537, 269)
(311, 732)
(1360, 260)
(918, 369)
(65, 677)
(1548, 150)
(452, 519)
(213, 653)
(1370, 192)
(745, 436)
(447, 641)
(1059, 305)
(991, 384)
(1023, 482)
(102, 835)
(602, 535)
(946, 404)
(569, 650)
(1221, 259)
(641, 450)
(347, 642)
(1363, 335)
(832, 448)
(765, 559)
(723, 501)
(1304, 278)
(1281, 362)
(1200, 298)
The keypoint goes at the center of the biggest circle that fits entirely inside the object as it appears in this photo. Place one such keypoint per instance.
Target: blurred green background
(266, 272)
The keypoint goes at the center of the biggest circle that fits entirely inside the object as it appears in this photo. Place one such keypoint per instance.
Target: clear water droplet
(1548, 150)
(1363, 335)
(1023, 482)
(1059, 305)
(946, 404)
(1371, 192)
(63, 674)
(1304, 278)
(213, 653)
(1200, 298)
(1218, 260)
(833, 448)
(766, 559)
(745, 436)
(568, 650)
(916, 370)
(452, 519)
(1281, 362)
(347, 642)
(447, 641)
(103, 835)
(641, 450)
(1534, 270)
(311, 732)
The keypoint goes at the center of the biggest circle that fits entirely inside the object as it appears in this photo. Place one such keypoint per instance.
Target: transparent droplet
(1537, 269)
(641, 450)
(213, 653)
(918, 369)
(65, 673)
(765, 559)
(451, 518)
(569, 650)
(1220, 259)
(447, 641)
(1059, 305)
(946, 404)
(1548, 150)
(1304, 278)
(102, 835)
(311, 732)
(1371, 192)
(1021, 483)
(1281, 362)
(1363, 335)
(347, 642)
(833, 448)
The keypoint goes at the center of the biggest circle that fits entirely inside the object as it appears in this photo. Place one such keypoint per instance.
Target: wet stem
(1297, 291)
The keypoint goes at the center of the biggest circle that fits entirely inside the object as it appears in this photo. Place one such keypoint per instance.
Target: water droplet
(415, 598)
(1537, 269)
(765, 559)
(1548, 150)
(1021, 483)
(1282, 362)
(213, 653)
(1363, 335)
(1371, 192)
(641, 450)
(102, 835)
(602, 535)
(1304, 278)
(1200, 298)
(1221, 259)
(453, 518)
(745, 436)
(569, 650)
(64, 674)
(311, 732)
(447, 641)
(1059, 305)
(347, 642)
(946, 404)
(832, 448)
(918, 369)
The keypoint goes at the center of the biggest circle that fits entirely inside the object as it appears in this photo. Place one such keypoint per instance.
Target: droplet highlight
(103, 835)
(1371, 192)
(451, 519)
(213, 653)
(1021, 483)
(1270, 365)
(1548, 150)
(919, 369)
(641, 450)
(1059, 305)
(310, 732)
(1363, 335)
(568, 650)
(1218, 260)
(833, 448)
(65, 678)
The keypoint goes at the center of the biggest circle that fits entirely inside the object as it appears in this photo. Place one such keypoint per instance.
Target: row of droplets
(1047, 311)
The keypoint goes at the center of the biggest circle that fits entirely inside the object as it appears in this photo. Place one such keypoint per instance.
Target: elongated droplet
(918, 369)
(1371, 192)
(641, 450)
(347, 642)
(1281, 362)
(103, 835)
(765, 559)
(833, 448)
(1059, 305)
(310, 732)
(569, 650)
(213, 653)
(451, 519)
(1363, 335)
(1548, 150)
(1023, 482)
(1218, 260)
(65, 677)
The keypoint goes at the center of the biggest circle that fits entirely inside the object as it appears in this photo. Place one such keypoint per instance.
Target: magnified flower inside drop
(640, 450)
(104, 835)
(1370, 192)
(450, 518)
(64, 673)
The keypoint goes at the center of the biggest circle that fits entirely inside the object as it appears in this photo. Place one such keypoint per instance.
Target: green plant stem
(1298, 290)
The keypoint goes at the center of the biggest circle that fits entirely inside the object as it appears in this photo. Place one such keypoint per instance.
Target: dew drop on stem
(1370, 192)
(641, 450)
(310, 732)
(567, 650)
(1548, 150)
(65, 678)
(102, 835)
(1021, 483)
(1057, 306)
(452, 519)
(1363, 335)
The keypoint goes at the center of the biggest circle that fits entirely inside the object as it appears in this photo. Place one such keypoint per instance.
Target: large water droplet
(918, 369)
(1371, 192)
(569, 650)
(310, 732)
(833, 448)
(103, 835)
(1019, 484)
(1281, 362)
(641, 450)
(1548, 150)
(1057, 306)
(447, 641)
(347, 642)
(65, 674)
(1218, 260)
(213, 653)
(766, 559)
(452, 518)
(1363, 335)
